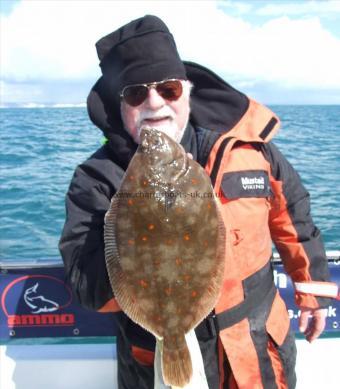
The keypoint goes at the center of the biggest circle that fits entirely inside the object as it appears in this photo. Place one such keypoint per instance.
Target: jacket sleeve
(82, 243)
(294, 234)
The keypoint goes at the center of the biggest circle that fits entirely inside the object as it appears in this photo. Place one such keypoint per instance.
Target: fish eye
(157, 141)
(157, 144)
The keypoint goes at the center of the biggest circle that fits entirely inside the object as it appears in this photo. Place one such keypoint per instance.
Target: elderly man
(246, 341)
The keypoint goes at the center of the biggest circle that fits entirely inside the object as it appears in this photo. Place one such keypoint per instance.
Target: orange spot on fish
(131, 178)
(157, 318)
(130, 202)
(205, 243)
(209, 206)
(144, 238)
(143, 284)
(131, 242)
(168, 291)
(145, 183)
(194, 181)
(186, 277)
(193, 293)
(186, 237)
(179, 261)
(151, 227)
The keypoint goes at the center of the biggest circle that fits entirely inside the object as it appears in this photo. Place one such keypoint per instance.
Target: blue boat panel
(37, 303)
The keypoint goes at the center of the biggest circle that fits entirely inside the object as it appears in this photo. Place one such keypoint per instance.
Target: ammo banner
(36, 302)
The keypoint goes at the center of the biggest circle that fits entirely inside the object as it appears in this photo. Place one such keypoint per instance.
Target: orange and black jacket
(245, 342)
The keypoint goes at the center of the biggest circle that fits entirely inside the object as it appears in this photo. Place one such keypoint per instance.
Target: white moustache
(162, 113)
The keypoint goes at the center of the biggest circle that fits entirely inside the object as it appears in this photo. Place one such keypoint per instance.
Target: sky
(278, 52)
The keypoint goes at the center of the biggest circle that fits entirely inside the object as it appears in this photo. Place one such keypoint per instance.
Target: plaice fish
(164, 247)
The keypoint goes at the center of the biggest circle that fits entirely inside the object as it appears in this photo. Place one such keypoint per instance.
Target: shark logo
(25, 302)
(38, 303)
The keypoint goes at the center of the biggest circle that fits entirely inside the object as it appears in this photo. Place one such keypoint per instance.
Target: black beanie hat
(141, 51)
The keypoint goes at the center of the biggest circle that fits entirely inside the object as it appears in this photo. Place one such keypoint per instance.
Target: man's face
(171, 117)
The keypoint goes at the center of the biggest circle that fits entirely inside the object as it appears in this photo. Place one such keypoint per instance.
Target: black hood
(215, 105)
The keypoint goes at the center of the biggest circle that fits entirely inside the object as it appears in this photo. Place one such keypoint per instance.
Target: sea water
(40, 148)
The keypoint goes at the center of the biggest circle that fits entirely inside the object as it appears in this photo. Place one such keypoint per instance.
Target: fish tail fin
(176, 362)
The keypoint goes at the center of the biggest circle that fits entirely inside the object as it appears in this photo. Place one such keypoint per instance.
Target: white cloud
(318, 7)
(55, 40)
(296, 53)
(290, 52)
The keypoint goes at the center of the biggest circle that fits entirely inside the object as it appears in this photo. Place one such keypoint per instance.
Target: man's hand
(312, 326)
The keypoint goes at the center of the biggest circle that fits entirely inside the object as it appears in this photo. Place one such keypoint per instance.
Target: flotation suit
(246, 342)
(251, 317)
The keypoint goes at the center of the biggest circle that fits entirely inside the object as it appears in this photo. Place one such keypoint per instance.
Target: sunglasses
(135, 95)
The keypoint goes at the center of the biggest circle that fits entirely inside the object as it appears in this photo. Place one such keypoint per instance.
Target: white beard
(171, 129)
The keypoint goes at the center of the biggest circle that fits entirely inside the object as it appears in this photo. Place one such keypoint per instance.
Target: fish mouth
(148, 132)
(150, 138)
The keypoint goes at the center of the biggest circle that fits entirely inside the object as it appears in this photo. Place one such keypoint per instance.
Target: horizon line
(84, 105)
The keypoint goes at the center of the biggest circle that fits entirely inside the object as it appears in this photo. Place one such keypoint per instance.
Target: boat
(48, 341)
